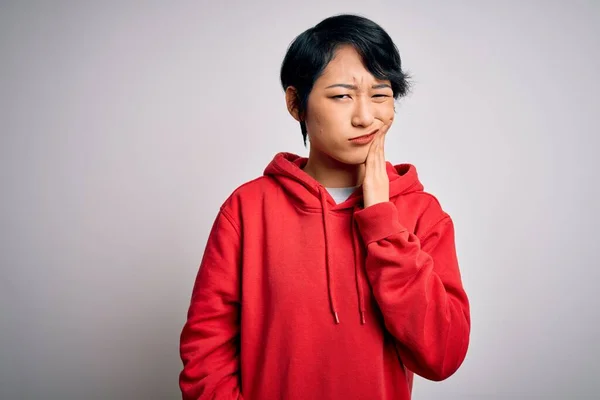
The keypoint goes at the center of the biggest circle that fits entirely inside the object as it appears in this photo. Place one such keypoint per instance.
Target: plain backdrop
(125, 125)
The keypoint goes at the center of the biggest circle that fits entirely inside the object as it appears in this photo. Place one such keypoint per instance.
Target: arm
(417, 285)
(209, 340)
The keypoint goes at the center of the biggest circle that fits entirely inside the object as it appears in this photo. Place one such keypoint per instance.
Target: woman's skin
(334, 115)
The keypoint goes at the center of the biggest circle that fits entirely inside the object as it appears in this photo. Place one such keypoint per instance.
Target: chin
(355, 157)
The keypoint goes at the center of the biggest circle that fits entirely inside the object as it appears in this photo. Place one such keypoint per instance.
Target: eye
(339, 96)
(381, 95)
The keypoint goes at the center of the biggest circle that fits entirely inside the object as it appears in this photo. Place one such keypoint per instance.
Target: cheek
(387, 113)
(322, 122)
(315, 125)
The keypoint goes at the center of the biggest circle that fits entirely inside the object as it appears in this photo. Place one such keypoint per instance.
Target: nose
(363, 112)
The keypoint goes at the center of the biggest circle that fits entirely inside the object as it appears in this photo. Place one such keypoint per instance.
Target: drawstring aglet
(362, 317)
(337, 319)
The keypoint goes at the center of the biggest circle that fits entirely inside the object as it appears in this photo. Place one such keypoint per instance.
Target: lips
(363, 140)
(365, 137)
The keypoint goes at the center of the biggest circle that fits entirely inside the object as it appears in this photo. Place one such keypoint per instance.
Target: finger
(376, 158)
(377, 143)
(382, 154)
(381, 141)
(372, 148)
(371, 155)
(382, 151)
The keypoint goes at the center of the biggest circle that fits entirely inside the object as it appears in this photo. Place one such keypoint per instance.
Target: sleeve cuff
(378, 222)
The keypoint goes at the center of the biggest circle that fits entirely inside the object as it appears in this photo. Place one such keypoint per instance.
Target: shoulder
(247, 195)
(250, 190)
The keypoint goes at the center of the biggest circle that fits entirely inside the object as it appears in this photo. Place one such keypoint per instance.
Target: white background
(125, 125)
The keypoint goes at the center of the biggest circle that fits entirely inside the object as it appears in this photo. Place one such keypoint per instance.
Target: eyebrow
(354, 87)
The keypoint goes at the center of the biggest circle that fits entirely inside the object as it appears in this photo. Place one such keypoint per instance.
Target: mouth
(364, 138)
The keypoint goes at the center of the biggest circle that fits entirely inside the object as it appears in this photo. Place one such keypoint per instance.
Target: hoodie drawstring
(357, 263)
(357, 269)
(330, 288)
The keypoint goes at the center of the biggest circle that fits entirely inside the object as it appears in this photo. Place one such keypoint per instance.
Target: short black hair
(311, 51)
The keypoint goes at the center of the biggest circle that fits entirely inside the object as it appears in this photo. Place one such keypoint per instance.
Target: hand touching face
(376, 185)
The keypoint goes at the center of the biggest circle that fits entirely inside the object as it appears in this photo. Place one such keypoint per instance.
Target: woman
(333, 276)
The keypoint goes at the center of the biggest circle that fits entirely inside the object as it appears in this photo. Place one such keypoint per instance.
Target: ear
(291, 100)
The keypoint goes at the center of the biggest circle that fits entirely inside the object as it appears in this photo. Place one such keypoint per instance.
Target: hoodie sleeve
(209, 340)
(417, 285)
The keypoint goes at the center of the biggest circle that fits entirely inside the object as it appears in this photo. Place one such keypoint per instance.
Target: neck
(333, 173)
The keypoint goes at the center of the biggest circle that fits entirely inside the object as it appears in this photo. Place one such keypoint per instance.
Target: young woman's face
(347, 102)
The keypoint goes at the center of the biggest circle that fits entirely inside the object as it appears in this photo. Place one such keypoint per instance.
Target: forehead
(346, 67)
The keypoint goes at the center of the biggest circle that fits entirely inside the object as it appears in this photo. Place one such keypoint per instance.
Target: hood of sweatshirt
(307, 193)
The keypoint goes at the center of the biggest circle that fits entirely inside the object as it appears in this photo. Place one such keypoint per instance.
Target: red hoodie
(301, 298)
